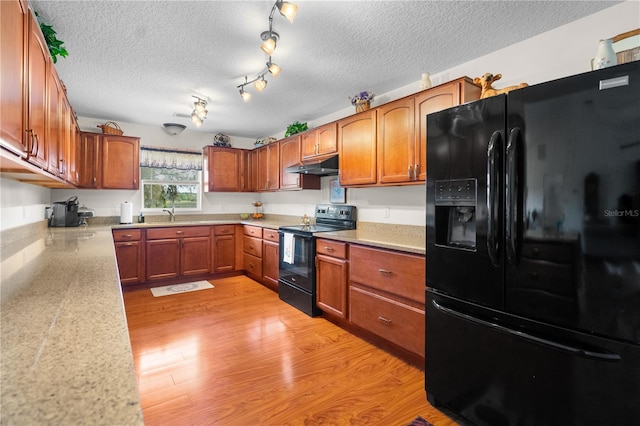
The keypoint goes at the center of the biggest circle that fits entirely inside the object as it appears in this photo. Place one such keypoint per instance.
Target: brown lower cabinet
(178, 251)
(331, 277)
(377, 292)
(224, 242)
(175, 253)
(270, 258)
(261, 255)
(129, 245)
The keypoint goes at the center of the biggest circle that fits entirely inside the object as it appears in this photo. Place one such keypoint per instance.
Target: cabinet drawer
(127, 235)
(394, 321)
(178, 232)
(252, 246)
(224, 229)
(270, 235)
(396, 273)
(253, 231)
(331, 248)
(253, 265)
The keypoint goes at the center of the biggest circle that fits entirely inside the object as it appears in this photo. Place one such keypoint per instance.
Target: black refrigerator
(533, 254)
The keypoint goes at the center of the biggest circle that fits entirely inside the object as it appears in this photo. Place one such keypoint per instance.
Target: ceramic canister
(605, 56)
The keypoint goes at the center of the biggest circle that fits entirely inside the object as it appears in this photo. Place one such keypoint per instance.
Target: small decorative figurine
(425, 82)
(487, 79)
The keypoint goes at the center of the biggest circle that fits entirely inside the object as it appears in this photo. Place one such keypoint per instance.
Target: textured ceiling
(140, 61)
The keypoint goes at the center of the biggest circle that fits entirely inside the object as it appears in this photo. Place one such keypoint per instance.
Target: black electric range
(297, 270)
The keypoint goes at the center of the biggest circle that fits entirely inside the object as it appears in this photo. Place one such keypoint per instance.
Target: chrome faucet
(172, 214)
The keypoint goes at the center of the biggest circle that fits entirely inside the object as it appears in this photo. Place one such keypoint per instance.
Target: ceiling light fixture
(270, 39)
(174, 129)
(199, 112)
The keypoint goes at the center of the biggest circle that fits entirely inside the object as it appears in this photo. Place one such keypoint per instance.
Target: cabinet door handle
(409, 170)
(36, 145)
(179, 232)
(26, 148)
(329, 249)
(127, 236)
(384, 320)
(384, 271)
(416, 169)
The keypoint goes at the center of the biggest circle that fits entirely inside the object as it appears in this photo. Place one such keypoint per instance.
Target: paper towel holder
(126, 213)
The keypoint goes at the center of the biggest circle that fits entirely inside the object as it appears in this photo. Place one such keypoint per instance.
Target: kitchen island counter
(66, 354)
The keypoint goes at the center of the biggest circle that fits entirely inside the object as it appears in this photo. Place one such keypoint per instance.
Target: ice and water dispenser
(455, 204)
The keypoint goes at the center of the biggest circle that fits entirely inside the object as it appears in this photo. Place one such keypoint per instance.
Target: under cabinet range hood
(325, 167)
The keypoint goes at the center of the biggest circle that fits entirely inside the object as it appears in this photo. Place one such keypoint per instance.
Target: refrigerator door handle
(494, 171)
(585, 353)
(513, 196)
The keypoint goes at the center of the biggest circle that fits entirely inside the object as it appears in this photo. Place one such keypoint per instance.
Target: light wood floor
(237, 355)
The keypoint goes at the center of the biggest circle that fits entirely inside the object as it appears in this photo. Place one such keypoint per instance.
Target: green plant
(295, 127)
(55, 46)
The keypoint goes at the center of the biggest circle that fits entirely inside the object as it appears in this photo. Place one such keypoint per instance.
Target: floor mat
(180, 288)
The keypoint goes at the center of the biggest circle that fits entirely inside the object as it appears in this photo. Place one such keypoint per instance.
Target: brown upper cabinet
(108, 161)
(38, 57)
(13, 24)
(35, 115)
(269, 167)
(396, 142)
(222, 169)
(290, 155)
(357, 147)
(252, 170)
(320, 143)
(388, 145)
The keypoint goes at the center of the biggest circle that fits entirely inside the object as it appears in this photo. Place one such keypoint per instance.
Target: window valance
(163, 158)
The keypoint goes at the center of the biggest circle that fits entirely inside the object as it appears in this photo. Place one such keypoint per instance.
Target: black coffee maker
(65, 213)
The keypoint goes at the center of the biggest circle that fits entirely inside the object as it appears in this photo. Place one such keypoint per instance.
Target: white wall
(564, 51)
(22, 203)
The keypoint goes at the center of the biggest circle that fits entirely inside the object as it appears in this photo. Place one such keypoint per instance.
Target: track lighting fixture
(268, 46)
(199, 112)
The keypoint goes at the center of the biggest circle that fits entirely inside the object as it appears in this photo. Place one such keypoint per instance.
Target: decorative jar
(605, 56)
(362, 105)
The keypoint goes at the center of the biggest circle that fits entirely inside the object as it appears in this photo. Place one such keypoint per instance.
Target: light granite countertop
(407, 238)
(410, 239)
(65, 350)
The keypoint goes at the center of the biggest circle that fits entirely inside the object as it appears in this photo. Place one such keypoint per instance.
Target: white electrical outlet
(387, 211)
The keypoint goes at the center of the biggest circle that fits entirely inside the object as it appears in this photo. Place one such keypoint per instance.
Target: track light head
(270, 39)
(286, 9)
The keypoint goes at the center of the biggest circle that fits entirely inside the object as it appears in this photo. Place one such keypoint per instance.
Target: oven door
(297, 259)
